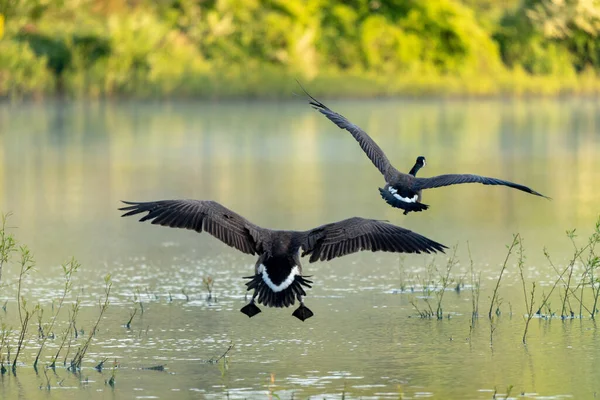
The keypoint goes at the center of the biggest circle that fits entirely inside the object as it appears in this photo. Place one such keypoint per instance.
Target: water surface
(65, 166)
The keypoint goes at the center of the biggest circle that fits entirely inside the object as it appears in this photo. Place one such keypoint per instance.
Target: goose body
(404, 190)
(278, 279)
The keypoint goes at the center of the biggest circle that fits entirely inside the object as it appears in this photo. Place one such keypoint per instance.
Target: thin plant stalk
(424, 313)
(515, 241)
(593, 265)
(66, 335)
(78, 358)
(445, 281)
(21, 340)
(561, 278)
(27, 263)
(7, 244)
(567, 287)
(529, 313)
(475, 287)
(592, 262)
(4, 332)
(139, 296)
(68, 270)
(520, 265)
(128, 325)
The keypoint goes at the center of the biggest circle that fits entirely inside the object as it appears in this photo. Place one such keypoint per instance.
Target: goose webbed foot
(302, 312)
(250, 309)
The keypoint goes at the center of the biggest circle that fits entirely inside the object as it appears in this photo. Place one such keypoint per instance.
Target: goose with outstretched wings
(278, 280)
(404, 190)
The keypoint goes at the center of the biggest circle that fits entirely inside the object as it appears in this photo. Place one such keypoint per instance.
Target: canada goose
(278, 279)
(404, 190)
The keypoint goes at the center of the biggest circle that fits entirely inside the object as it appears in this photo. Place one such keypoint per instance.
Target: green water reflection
(64, 168)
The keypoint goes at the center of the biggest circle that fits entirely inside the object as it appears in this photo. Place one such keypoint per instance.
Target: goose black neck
(415, 169)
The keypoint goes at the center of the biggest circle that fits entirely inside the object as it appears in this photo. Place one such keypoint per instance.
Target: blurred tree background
(255, 48)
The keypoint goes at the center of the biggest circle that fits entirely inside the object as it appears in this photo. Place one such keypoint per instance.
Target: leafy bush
(547, 37)
(22, 73)
(225, 48)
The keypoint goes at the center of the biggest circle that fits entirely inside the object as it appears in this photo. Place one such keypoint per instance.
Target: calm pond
(65, 166)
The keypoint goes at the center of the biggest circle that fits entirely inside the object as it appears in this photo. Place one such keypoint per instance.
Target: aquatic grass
(573, 288)
(435, 283)
(495, 301)
(422, 313)
(520, 265)
(100, 365)
(475, 286)
(69, 268)
(493, 327)
(4, 333)
(111, 381)
(223, 361)
(460, 283)
(131, 315)
(530, 314)
(496, 395)
(139, 300)
(26, 265)
(22, 333)
(78, 358)
(7, 245)
(208, 282)
(427, 286)
(67, 332)
(589, 266)
(562, 279)
(222, 356)
(40, 317)
(48, 386)
(445, 282)
(402, 270)
(565, 297)
(594, 263)
(14, 341)
(529, 301)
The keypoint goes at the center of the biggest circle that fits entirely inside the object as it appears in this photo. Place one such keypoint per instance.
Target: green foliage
(452, 39)
(254, 48)
(339, 36)
(55, 51)
(551, 37)
(386, 47)
(21, 71)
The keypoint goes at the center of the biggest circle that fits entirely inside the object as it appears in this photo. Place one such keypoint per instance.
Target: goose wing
(356, 234)
(198, 215)
(456, 179)
(373, 151)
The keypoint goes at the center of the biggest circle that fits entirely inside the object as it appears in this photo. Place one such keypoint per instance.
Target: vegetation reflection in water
(368, 339)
